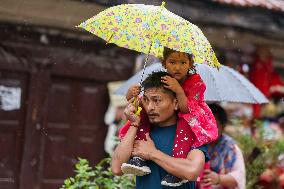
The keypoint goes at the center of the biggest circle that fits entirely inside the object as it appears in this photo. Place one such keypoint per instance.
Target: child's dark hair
(219, 113)
(154, 81)
(168, 51)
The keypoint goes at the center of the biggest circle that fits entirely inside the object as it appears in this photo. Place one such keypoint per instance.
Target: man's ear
(176, 103)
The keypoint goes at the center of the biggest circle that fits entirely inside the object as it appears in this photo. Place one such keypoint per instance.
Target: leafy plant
(254, 160)
(259, 154)
(99, 177)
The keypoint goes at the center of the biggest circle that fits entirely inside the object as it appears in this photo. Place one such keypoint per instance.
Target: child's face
(178, 64)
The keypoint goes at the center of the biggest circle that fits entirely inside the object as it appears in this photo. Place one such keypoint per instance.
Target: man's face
(160, 106)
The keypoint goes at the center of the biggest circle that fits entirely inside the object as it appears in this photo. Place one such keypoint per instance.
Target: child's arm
(173, 84)
(182, 101)
(133, 91)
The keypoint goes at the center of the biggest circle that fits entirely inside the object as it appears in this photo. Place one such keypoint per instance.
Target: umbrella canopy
(148, 29)
(223, 85)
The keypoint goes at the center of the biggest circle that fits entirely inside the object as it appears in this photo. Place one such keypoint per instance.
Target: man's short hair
(219, 113)
(154, 81)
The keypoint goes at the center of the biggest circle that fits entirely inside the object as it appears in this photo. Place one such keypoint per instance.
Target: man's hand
(210, 178)
(144, 149)
(129, 113)
(133, 91)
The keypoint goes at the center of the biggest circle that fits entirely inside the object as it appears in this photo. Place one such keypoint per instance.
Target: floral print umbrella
(148, 29)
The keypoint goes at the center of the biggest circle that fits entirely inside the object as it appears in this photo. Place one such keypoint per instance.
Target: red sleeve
(123, 130)
(195, 95)
(144, 127)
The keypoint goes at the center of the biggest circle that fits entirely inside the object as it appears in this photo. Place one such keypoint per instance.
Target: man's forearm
(189, 168)
(122, 153)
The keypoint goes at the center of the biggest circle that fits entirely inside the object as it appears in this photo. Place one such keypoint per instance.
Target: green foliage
(273, 151)
(254, 160)
(258, 154)
(99, 177)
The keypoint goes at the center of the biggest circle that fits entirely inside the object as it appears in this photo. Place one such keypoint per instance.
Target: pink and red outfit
(195, 128)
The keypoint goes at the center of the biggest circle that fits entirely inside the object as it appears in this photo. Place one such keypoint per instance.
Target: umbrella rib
(215, 84)
(109, 38)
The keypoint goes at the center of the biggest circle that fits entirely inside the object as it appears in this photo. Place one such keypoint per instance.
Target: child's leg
(137, 165)
(143, 128)
(183, 140)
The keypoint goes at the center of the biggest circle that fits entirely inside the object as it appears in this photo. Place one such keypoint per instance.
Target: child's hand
(130, 111)
(133, 91)
(171, 83)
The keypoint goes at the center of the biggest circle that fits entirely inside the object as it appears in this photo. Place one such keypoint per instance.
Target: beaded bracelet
(134, 125)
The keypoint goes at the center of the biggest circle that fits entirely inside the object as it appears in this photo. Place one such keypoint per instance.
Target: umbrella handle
(138, 111)
(136, 105)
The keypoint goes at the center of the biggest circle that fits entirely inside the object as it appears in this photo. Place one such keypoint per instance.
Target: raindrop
(245, 68)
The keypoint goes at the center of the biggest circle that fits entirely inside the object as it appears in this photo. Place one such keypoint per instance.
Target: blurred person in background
(227, 167)
(273, 176)
(114, 116)
(261, 73)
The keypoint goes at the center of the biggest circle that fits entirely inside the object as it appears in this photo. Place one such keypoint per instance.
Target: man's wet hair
(219, 114)
(154, 81)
